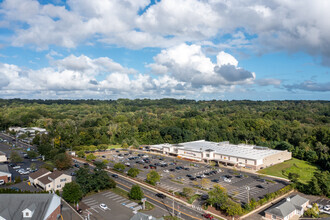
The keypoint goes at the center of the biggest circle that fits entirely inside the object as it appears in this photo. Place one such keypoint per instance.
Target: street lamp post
(248, 194)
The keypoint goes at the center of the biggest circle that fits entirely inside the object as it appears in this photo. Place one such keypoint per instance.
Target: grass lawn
(303, 168)
(114, 146)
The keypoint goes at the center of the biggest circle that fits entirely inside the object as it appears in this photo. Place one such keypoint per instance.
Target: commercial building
(3, 157)
(30, 206)
(242, 155)
(292, 207)
(5, 175)
(48, 181)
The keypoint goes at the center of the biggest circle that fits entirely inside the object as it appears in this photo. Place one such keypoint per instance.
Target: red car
(208, 216)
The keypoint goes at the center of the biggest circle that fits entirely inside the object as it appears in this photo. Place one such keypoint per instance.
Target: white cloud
(276, 24)
(188, 63)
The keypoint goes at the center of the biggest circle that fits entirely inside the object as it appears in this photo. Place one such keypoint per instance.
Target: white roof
(225, 148)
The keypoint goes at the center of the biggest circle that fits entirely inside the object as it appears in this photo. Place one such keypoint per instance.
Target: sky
(185, 49)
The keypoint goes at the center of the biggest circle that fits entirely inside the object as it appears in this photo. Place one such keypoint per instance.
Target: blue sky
(109, 49)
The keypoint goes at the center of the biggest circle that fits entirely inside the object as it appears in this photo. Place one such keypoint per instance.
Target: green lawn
(303, 168)
(114, 146)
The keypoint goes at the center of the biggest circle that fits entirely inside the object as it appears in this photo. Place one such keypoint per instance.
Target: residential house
(5, 175)
(49, 180)
(286, 209)
(30, 206)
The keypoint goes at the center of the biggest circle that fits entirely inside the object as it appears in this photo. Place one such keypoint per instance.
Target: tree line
(301, 127)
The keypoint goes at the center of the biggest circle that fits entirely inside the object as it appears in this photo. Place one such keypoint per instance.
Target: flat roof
(225, 148)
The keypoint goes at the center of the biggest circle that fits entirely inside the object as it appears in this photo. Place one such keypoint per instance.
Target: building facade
(48, 181)
(249, 156)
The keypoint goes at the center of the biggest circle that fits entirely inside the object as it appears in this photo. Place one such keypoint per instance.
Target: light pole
(248, 194)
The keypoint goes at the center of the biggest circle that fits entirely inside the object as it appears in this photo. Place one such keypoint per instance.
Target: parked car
(114, 175)
(103, 206)
(160, 195)
(260, 186)
(2, 182)
(215, 180)
(16, 167)
(188, 175)
(166, 171)
(80, 211)
(73, 174)
(227, 180)
(145, 167)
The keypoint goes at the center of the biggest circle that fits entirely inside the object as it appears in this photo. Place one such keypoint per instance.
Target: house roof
(142, 216)
(287, 206)
(283, 209)
(297, 200)
(4, 168)
(55, 174)
(16, 203)
(45, 180)
(39, 173)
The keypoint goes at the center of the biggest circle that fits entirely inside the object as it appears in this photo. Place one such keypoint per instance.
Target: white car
(326, 208)
(227, 180)
(166, 171)
(103, 206)
(16, 167)
(2, 182)
(203, 176)
(120, 157)
(127, 164)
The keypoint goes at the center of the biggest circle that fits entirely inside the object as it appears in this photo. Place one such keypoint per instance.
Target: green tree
(18, 179)
(33, 166)
(314, 187)
(99, 165)
(293, 177)
(90, 157)
(153, 177)
(72, 192)
(15, 157)
(119, 167)
(81, 154)
(63, 161)
(233, 208)
(83, 178)
(188, 192)
(101, 181)
(124, 145)
(136, 193)
(133, 172)
(217, 195)
(32, 154)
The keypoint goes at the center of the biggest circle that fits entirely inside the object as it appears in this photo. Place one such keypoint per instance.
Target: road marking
(167, 205)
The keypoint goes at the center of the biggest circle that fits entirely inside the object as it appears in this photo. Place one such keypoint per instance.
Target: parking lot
(21, 169)
(116, 206)
(177, 174)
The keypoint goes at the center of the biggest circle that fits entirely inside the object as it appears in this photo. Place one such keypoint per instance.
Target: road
(16, 142)
(180, 209)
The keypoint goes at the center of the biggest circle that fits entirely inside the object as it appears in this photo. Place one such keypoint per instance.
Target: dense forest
(301, 127)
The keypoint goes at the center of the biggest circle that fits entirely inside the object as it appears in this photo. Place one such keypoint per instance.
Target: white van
(2, 182)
